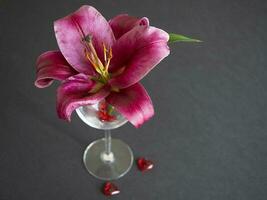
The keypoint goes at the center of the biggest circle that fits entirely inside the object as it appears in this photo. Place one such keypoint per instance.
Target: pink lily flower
(103, 60)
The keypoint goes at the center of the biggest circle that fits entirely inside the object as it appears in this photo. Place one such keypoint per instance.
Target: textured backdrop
(207, 139)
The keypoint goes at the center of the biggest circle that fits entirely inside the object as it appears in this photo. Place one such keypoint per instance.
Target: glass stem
(107, 142)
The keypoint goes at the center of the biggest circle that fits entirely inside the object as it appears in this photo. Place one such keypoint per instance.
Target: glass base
(108, 166)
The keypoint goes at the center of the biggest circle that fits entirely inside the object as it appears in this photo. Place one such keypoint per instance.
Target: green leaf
(110, 109)
(181, 38)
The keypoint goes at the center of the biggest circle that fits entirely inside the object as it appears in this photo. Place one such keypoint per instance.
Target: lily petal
(139, 51)
(52, 66)
(133, 103)
(123, 23)
(71, 31)
(75, 93)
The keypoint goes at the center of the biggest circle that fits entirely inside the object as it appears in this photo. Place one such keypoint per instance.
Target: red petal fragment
(103, 113)
(144, 164)
(104, 116)
(110, 189)
(102, 106)
(133, 103)
(139, 51)
(123, 23)
(71, 30)
(52, 66)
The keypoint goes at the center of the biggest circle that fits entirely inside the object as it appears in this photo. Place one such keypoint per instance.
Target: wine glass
(106, 158)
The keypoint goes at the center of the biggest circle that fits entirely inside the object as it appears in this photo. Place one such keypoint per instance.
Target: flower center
(91, 55)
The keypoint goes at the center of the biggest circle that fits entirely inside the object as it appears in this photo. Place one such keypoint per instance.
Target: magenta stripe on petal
(139, 51)
(51, 66)
(123, 23)
(71, 30)
(75, 93)
(133, 103)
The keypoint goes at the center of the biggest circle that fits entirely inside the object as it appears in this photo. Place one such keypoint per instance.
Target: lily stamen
(109, 58)
(105, 53)
(91, 55)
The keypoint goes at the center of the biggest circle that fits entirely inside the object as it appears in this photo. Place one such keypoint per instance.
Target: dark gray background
(207, 139)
